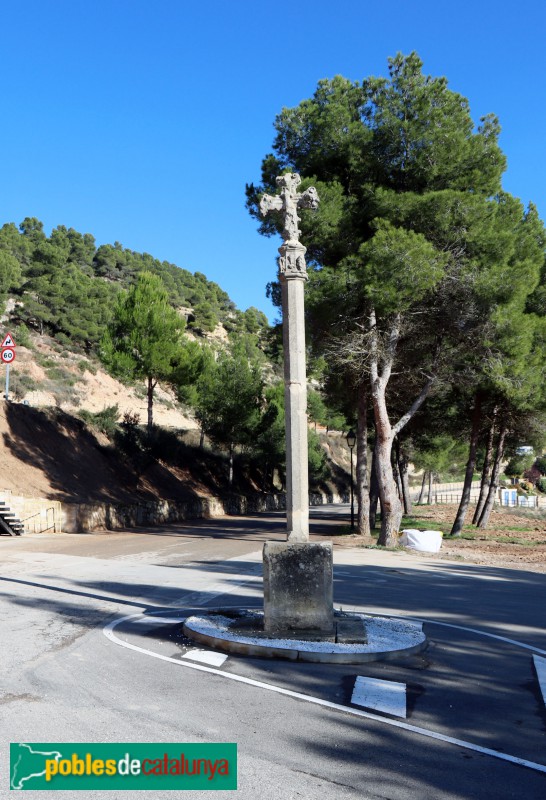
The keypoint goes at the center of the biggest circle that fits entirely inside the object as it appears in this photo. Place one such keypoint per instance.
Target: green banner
(122, 766)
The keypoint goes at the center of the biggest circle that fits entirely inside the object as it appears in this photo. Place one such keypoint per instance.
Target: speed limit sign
(8, 355)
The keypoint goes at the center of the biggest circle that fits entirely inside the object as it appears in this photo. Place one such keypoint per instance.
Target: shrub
(540, 462)
(532, 475)
(22, 336)
(61, 375)
(23, 383)
(318, 462)
(518, 465)
(105, 421)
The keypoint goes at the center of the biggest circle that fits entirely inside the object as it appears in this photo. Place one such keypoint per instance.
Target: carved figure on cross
(289, 201)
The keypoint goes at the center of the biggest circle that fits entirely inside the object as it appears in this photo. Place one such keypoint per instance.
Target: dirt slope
(48, 453)
(46, 376)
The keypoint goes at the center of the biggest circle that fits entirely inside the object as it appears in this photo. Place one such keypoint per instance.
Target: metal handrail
(37, 514)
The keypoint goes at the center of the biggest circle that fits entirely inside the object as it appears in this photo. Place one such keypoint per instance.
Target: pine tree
(144, 339)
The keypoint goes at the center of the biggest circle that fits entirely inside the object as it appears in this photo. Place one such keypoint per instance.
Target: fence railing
(537, 502)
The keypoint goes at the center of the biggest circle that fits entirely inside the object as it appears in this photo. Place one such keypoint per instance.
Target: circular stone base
(241, 631)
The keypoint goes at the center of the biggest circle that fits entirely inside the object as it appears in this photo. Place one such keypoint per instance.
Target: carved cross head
(290, 181)
(289, 201)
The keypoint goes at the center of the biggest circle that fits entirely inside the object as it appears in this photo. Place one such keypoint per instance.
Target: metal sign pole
(7, 381)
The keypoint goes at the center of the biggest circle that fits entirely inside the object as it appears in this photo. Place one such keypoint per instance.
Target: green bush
(164, 445)
(87, 366)
(518, 465)
(45, 361)
(22, 383)
(22, 336)
(61, 375)
(105, 421)
(318, 462)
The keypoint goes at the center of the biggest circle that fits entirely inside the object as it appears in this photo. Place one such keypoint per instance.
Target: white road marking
(151, 620)
(389, 697)
(206, 657)
(108, 631)
(202, 596)
(540, 666)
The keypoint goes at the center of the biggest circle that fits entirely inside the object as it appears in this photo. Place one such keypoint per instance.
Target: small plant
(130, 419)
(105, 421)
(61, 375)
(63, 394)
(87, 366)
(514, 540)
(22, 336)
(45, 361)
(23, 383)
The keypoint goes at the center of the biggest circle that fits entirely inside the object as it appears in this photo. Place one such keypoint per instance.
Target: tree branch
(416, 405)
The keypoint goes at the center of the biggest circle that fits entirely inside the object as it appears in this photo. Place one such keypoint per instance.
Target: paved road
(64, 680)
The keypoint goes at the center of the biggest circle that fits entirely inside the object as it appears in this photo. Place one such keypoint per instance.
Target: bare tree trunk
(484, 485)
(403, 470)
(429, 498)
(395, 470)
(470, 466)
(422, 492)
(201, 439)
(374, 492)
(391, 508)
(150, 393)
(486, 513)
(362, 477)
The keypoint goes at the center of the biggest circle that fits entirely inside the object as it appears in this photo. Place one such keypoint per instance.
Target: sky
(140, 121)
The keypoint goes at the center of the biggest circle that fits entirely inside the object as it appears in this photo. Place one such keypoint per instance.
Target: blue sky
(141, 121)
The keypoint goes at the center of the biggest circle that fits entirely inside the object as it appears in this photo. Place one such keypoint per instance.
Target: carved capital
(292, 262)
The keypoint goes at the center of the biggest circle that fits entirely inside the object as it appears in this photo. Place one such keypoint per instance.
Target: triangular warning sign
(8, 341)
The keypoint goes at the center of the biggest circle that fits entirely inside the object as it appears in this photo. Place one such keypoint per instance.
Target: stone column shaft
(295, 399)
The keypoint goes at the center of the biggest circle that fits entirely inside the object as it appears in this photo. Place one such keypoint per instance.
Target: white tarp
(424, 541)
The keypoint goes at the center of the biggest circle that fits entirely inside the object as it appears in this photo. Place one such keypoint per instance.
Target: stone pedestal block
(298, 588)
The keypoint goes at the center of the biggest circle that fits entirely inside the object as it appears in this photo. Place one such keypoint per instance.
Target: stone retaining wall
(85, 517)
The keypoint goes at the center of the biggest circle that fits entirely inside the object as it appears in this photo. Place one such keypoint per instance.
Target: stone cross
(292, 276)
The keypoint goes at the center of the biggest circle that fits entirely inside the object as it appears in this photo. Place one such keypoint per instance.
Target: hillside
(52, 454)
(49, 453)
(58, 294)
(47, 450)
(65, 285)
(49, 375)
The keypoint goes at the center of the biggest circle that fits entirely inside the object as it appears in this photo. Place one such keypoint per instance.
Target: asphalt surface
(298, 734)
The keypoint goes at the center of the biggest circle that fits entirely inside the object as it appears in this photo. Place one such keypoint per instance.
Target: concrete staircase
(36, 514)
(9, 523)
